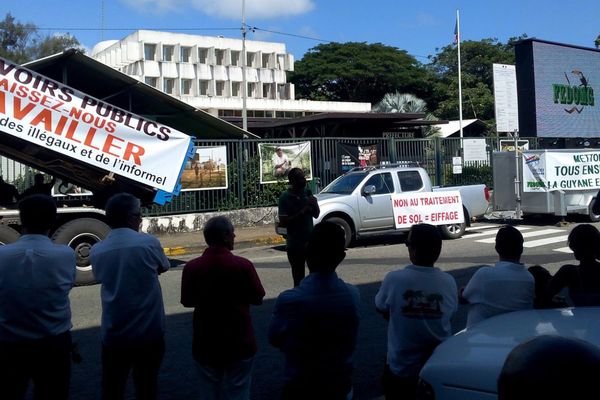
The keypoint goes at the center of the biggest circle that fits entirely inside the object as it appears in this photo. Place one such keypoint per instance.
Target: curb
(195, 249)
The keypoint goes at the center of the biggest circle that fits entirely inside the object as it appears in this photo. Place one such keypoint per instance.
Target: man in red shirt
(220, 287)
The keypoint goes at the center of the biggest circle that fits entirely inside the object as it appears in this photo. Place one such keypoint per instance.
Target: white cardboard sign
(435, 208)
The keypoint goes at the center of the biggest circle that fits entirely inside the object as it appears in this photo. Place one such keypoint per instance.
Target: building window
(186, 86)
(149, 51)
(186, 53)
(169, 85)
(168, 52)
(235, 58)
(250, 57)
(251, 89)
(267, 91)
(282, 92)
(203, 87)
(236, 89)
(220, 56)
(150, 81)
(220, 88)
(265, 61)
(203, 56)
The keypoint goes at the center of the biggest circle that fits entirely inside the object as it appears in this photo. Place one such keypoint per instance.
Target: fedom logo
(575, 95)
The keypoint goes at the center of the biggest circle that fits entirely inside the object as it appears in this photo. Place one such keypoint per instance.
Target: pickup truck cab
(360, 201)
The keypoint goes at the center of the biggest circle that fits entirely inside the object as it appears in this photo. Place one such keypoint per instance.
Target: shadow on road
(178, 374)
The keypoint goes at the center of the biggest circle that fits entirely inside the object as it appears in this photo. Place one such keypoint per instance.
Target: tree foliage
(21, 42)
(477, 58)
(357, 72)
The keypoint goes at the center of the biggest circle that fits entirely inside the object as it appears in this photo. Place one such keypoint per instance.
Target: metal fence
(245, 190)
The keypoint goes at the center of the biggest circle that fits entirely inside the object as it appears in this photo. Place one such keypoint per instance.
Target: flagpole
(460, 113)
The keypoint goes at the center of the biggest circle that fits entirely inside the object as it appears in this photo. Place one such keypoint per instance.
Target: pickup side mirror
(369, 190)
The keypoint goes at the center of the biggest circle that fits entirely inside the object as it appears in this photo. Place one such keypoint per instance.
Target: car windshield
(345, 184)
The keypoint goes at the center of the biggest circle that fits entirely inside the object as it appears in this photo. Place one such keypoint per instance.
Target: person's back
(36, 277)
(39, 187)
(9, 195)
(126, 264)
(583, 280)
(131, 293)
(419, 302)
(315, 324)
(507, 286)
(550, 367)
(221, 287)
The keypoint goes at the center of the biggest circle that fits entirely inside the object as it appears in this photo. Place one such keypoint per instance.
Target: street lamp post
(244, 84)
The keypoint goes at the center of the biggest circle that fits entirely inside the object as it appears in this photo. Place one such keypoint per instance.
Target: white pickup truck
(360, 201)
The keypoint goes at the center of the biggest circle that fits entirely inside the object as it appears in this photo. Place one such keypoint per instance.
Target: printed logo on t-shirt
(422, 305)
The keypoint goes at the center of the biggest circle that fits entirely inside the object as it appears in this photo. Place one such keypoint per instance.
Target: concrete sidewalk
(182, 243)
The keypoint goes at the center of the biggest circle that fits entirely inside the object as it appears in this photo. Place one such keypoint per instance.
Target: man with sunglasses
(418, 302)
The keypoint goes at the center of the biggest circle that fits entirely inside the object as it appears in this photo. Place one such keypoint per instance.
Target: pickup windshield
(345, 184)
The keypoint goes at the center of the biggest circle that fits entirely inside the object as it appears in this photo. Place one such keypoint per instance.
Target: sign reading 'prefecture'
(435, 208)
(570, 170)
(55, 116)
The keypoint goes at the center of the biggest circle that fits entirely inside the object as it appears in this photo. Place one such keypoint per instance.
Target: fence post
(438, 161)
(240, 164)
(392, 150)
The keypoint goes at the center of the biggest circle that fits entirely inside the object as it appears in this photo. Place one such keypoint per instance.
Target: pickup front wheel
(453, 231)
(345, 225)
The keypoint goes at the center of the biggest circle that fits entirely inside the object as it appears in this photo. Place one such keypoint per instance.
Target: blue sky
(419, 27)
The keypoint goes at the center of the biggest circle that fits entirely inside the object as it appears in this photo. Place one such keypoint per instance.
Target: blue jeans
(231, 382)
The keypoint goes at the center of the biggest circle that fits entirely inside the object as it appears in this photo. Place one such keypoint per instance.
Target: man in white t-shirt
(281, 163)
(507, 286)
(418, 301)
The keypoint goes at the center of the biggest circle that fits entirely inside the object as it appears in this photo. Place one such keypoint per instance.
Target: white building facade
(206, 72)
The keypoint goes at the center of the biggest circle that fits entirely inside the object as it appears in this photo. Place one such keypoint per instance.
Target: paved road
(365, 266)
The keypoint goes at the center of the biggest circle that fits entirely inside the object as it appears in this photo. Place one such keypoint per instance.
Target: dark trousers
(297, 259)
(315, 391)
(46, 362)
(398, 387)
(142, 360)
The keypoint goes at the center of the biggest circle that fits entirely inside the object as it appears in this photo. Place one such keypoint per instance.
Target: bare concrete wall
(195, 222)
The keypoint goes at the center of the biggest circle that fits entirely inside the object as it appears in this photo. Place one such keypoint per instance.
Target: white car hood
(473, 358)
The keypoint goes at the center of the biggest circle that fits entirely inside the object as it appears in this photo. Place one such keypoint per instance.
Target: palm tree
(406, 103)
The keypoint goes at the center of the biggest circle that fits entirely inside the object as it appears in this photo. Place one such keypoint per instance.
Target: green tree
(358, 72)
(477, 58)
(15, 39)
(22, 42)
(597, 42)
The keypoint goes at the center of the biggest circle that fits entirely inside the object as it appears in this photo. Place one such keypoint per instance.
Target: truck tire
(8, 235)
(345, 225)
(81, 234)
(453, 231)
(592, 217)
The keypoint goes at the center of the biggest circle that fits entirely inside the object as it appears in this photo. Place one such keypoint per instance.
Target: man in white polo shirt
(505, 287)
(35, 314)
(127, 264)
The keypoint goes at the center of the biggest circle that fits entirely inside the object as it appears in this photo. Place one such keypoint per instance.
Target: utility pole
(244, 84)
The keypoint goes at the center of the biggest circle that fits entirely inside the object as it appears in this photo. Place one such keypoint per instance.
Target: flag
(456, 38)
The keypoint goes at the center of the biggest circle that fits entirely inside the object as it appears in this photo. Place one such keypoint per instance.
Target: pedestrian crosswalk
(534, 236)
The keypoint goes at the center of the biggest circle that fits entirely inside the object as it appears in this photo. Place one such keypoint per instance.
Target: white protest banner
(565, 170)
(435, 208)
(55, 116)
